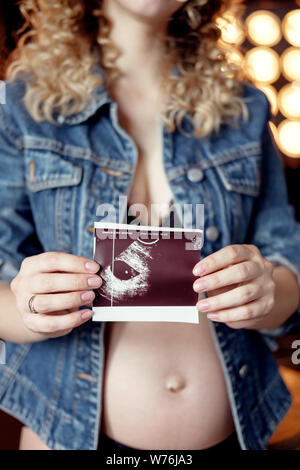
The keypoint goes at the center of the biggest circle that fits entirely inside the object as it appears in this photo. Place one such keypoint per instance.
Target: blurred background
(265, 42)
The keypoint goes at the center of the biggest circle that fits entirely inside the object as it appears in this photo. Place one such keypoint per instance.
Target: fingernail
(94, 281)
(203, 305)
(213, 316)
(199, 270)
(87, 314)
(200, 286)
(88, 295)
(91, 266)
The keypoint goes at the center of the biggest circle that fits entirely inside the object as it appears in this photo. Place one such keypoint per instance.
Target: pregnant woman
(132, 98)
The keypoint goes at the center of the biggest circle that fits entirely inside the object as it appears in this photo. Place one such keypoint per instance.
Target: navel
(175, 383)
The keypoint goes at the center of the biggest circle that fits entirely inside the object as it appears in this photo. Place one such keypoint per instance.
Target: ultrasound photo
(146, 273)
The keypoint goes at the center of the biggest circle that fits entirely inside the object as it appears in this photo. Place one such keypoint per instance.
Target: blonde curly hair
(62, 74)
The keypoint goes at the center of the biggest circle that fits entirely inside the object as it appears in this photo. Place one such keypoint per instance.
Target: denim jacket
(52, 178)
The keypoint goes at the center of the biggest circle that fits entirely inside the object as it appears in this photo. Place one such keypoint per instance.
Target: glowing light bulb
(289, 100)
(288, 138)
(290, 63)
(271, 94)
(232, 31)
(263, 28)
(262, 64)
(291, 27)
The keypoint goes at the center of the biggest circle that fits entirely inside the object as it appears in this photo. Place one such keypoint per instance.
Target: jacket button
(212, 233)
(243, 371)
(195, 175)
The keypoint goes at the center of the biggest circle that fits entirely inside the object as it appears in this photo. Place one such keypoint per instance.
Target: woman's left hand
(240, 286)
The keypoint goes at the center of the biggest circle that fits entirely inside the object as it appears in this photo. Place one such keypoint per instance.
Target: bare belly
(164, 387)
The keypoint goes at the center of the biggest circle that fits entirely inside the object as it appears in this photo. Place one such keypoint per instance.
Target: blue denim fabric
(52, 178)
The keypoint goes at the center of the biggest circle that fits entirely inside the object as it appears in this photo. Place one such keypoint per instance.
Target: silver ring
(30, 304)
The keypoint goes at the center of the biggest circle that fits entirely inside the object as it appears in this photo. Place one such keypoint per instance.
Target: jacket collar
(100, 97)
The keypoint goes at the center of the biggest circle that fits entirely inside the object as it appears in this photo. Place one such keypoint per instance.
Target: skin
(44, 276)
(244, 289)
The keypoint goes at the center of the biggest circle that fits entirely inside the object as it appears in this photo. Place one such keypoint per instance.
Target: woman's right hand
(61, 283)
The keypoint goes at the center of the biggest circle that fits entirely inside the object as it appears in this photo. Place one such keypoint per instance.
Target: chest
(141, 122)
(79, 175)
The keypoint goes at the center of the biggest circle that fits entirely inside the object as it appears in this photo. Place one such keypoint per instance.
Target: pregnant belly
(163, 387)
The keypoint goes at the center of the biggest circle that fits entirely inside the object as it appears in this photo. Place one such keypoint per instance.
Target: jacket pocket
(46, 170)
(241, 174)
(53, 183)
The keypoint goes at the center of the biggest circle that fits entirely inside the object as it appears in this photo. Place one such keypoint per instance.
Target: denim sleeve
(18, 237)
(274, 230)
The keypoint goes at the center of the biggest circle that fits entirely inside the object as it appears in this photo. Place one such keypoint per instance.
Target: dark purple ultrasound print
(147, 271)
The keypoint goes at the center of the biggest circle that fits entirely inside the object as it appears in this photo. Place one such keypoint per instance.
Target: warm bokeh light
(288, 138)
(262, 64)
(289, 100)
(267, 66)
(263, 28)
(271, 94)
(231, 28)
(290, 63)
(291, 27)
